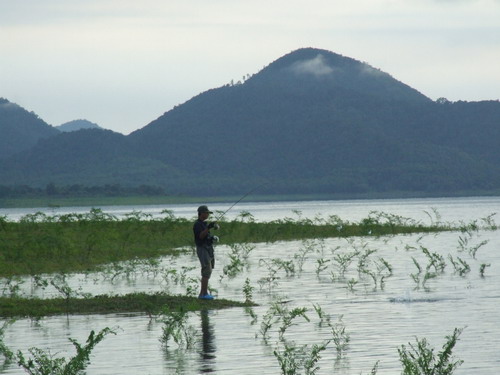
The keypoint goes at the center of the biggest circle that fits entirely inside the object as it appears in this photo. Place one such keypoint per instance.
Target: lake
(385, 305)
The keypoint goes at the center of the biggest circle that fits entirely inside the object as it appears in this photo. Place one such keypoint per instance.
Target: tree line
(78, 190)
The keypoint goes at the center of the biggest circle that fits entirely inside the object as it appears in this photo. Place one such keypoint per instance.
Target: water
(378, 320)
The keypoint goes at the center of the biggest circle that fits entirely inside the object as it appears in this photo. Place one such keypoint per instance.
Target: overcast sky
(123, 63)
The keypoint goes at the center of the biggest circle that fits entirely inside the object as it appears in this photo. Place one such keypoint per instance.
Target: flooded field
(360, 298)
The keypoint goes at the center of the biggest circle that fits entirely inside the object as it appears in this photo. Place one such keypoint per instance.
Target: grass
(41, 243)
(105, 304)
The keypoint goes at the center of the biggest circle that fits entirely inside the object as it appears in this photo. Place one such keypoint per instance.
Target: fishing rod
(239, 200)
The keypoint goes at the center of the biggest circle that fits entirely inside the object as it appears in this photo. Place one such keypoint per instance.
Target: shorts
(207, 260)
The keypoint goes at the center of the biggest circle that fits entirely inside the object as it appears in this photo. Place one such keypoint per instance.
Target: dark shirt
(198, 227)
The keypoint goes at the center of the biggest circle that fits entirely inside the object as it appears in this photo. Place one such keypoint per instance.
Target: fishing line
(239, 200)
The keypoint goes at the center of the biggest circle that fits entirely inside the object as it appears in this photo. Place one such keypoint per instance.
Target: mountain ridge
(311, 122)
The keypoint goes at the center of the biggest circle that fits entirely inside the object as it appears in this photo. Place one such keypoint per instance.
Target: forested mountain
(316, 122)
(85, 157)
(20, 129)
(311, 122)
(74, 125)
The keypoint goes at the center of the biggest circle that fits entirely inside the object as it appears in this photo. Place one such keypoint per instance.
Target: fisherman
(204, 248)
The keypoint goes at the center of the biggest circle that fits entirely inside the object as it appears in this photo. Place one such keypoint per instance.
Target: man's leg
(204, 286)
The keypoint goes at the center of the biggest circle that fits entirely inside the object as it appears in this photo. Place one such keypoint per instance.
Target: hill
(84, 157)
(74, 125)
(311, 122)
(317, 122)
(20, 129)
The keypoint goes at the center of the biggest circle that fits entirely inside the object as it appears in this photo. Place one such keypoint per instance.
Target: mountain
(20, 129)
(316, 122)
(310, 122)
(85, 157)
(74, 125)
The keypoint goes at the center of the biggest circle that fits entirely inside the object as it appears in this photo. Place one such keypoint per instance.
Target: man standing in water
(204, 248)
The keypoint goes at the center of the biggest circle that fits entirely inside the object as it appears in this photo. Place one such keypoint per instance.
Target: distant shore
(44, 202)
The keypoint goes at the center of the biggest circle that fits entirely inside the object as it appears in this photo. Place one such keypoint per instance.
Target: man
(204, 248)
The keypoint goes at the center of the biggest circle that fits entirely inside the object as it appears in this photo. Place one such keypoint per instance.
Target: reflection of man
(208, 348)
(204, 248)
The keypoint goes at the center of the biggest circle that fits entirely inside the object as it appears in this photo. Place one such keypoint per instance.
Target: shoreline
(57, 202)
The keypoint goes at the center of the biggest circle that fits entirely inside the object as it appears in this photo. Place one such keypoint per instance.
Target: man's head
(204, 212)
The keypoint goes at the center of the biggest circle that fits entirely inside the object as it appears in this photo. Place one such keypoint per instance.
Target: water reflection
(208, 347)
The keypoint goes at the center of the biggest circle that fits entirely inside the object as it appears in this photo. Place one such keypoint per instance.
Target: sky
(123, 63)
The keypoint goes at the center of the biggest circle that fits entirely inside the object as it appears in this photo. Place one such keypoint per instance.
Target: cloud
(316, 66)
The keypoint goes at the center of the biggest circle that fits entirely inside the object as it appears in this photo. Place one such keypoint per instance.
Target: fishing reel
(213, 225)
(212, 239)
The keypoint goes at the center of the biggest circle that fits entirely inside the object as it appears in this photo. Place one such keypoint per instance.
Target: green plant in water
(321, 265)
(324, 318)
(234, 267)
(175, 327)
(420, 359)
(436, 261)
(238, 257)
(4, 349)
(43, 362)
(461, 266)
(343, 261)
(351, 284)
(482, 268)
(364, 259)
(340, 337)
(489, 222)
(248, 291)
(12, 286)
(374, 368)
(273, 266)
(464, 246)
(288, 317)
(292, 358)
(380, 270)
(435, 217)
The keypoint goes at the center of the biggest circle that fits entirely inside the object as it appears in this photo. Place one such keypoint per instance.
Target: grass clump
(42, 362)
(103, 304)
(420, 359)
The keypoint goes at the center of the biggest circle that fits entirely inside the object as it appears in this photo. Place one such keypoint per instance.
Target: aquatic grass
(340, 337)
(343, 261)
(288, 317)
(5, 351)
(12, 286)
(420, 359)
(238, 260)
(465, 246)
(482, 268)
(324, 318)
(43, 362)
(248, 291)
(292, 357)
(273, 266)
(40, 243)
(103, 304)
(175, 327)
(378, 270)
(374, 369)
(321, 265)
(436, 260)
(461, 266)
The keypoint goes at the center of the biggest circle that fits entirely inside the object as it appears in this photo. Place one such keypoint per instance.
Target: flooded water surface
(361, 297)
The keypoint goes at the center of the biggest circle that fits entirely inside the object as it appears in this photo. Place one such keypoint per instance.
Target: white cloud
(316, 67)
